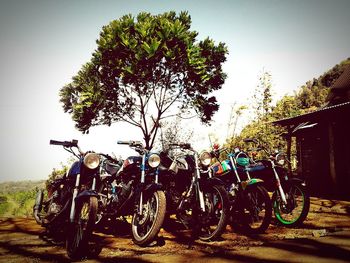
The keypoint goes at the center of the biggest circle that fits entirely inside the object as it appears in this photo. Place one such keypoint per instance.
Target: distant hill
(17, 198)
(18, 186)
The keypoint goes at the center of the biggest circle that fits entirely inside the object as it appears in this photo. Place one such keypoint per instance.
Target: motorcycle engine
(119, 193)
(54, 206)
(175, 195)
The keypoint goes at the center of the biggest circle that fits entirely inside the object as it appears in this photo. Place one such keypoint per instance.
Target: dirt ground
(324, 237)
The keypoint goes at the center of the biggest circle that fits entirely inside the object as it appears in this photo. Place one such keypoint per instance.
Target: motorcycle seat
(253, 167)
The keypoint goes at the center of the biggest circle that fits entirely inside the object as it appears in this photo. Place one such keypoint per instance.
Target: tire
(81, 229)
(214, 220)
(256, 211)
(297, 208)
(145, 227)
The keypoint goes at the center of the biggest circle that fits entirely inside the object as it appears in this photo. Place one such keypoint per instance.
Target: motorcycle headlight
(205, 158)
(91, 160)
(281, 160)
(154, 160)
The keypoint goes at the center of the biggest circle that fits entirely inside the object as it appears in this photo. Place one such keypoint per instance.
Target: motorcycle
(132, 188)
(291, 200)
(199, 201)
(71, 204)
(250, 204)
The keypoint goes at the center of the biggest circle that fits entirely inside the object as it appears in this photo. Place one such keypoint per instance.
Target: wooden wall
(324, 159)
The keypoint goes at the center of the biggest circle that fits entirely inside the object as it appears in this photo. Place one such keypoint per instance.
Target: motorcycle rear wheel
(81, 229)
(145, 227)
(256, 210)
(297, 208)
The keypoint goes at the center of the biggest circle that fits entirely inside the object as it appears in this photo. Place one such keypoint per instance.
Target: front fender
(85, 194)
(149, 189)
(297, 181)
(205, 182)
(249, 183)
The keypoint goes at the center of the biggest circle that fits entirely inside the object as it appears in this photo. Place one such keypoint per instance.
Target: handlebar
(73, 143)
(217, 152)
(254, 140)
(259, 146)
(258, 149)
(137, 145)
(70, 145)
(186, 146)
(124, 142)
(131, 143)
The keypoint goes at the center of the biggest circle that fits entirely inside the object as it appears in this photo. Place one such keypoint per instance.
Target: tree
(286, 107)
(236, 113)
(173, 131)
(262, 107)
(58, 173)
(262, 96)
(143, 70)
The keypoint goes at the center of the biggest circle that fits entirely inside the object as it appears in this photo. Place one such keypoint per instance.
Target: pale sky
(43, 44)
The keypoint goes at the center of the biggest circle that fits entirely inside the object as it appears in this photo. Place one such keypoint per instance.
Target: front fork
(200, 192)
(75, 193)
(143, 174)
(234, 168)
(279, 186)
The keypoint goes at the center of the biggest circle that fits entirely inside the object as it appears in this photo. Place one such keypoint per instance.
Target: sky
(43, 44)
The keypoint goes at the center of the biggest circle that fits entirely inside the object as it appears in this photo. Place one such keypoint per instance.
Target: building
(323, 143)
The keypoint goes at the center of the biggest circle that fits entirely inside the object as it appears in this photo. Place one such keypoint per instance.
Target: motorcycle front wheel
(298, 204)
(212, 222)
(81, 229)
(256, 210)
(146, 226)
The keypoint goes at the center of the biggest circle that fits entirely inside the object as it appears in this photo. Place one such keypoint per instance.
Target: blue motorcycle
(71, 204)
(290, 199)
(141, 195)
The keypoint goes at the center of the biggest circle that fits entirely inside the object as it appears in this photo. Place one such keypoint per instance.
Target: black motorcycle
(291, 200)
(199, 202)
(131, 188)
(71, 204)
(250, 204)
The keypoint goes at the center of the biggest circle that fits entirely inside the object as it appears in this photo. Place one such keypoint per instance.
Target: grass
(17, 198)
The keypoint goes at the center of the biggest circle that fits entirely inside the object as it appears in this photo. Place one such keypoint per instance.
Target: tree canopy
(144, 69)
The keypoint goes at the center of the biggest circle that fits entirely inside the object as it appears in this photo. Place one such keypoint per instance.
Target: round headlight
(205, 158)
(281, 162)
(281, 159)
(154, 160)
(91, 160)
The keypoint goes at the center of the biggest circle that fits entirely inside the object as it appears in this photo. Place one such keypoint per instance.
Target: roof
(318, 115)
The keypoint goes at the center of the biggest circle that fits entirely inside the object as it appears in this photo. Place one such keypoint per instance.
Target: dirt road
(324, 237)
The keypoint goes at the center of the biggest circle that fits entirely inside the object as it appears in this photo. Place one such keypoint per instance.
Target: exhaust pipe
(37, 206)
